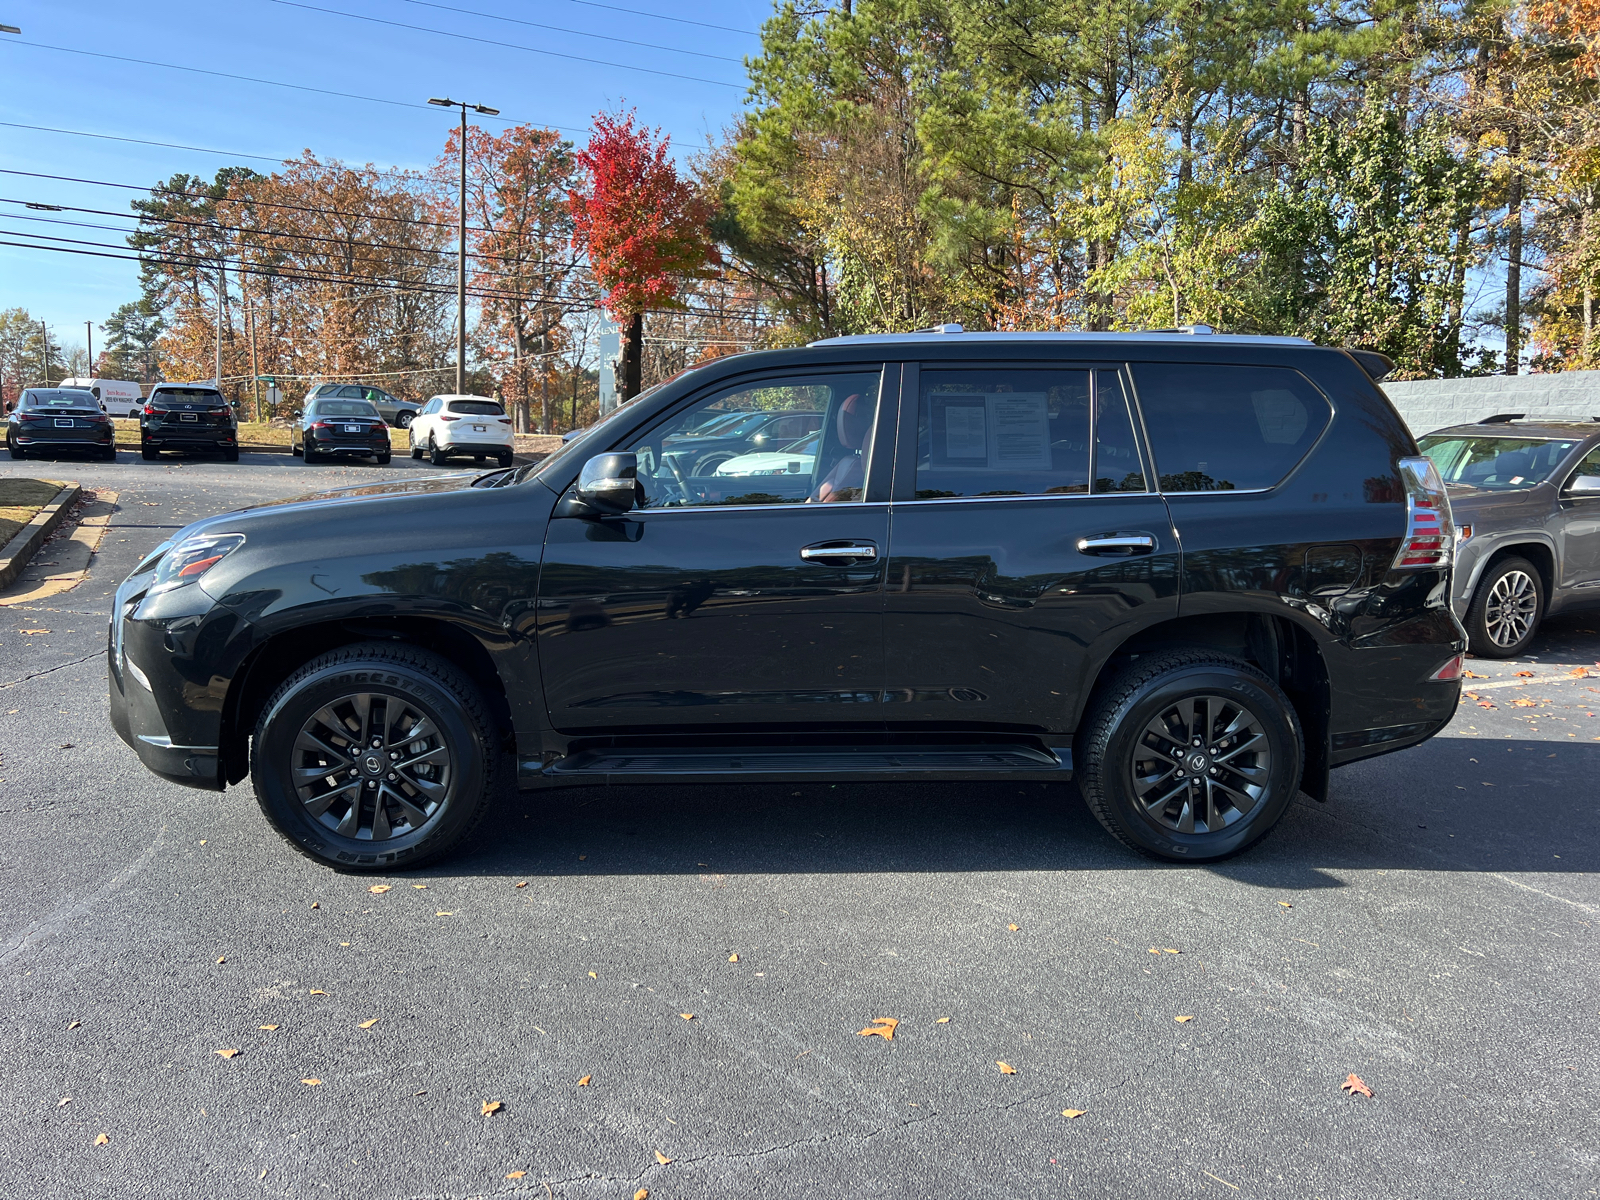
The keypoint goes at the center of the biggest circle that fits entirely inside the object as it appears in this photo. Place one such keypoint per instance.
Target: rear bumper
(62, 443)
(321, 446)
(466, 447)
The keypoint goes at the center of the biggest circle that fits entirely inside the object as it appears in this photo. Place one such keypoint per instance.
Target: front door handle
(826, 552)
(1117, 545)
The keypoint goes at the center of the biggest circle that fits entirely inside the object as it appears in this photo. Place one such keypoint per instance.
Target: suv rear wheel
(375, 757)
(1506, 609)
(1190, 756)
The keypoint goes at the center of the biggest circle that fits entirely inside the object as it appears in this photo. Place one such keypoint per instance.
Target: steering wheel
(671, 461)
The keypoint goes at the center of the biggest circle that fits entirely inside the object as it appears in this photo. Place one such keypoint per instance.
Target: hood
(368, 497)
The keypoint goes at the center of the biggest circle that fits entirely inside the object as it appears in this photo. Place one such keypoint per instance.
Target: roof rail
(952, 327)
(1201, 329)
(1502, 418)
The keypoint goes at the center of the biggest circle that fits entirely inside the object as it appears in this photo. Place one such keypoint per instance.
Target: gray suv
(1526, 501)
(392, 409)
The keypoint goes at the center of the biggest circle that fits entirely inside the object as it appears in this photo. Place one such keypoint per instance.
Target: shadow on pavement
(1522, 806)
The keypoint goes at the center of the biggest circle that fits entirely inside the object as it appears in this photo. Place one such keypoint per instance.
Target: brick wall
(1429, 404)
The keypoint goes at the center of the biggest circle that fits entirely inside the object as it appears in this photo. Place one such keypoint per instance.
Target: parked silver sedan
(1526, 500)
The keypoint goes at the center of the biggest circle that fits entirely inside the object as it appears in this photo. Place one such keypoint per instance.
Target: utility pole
(88, 333)
(45, 353)
(218, 379)
(461, 260)
(250, 331)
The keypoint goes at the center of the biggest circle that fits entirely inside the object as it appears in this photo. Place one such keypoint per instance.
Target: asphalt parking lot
(662, 988)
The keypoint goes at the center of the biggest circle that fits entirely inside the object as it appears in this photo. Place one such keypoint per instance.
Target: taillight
(448, 418)
(1430, 533)
(505, 420)
(1450, 670)
(149, 410)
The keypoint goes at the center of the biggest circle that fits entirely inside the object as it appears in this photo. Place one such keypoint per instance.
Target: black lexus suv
(1191, 572)
(188, 417)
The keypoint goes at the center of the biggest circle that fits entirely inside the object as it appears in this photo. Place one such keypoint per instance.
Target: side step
(657, 764)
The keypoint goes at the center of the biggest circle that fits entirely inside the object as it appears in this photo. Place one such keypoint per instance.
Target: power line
(471, 12)
(299, 87)
(250, 229)
(466, 37)
(663, 17)
(111, 137)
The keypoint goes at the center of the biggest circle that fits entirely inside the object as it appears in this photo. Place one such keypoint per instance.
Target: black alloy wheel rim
(1202, 764)
(372, 767)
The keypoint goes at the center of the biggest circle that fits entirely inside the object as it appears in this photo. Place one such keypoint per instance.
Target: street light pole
(461, 242)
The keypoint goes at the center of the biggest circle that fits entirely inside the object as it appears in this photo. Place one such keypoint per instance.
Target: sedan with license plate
(60, 419)
(340, 428)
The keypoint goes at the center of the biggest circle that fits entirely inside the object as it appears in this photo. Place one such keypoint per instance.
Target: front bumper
(170, 659)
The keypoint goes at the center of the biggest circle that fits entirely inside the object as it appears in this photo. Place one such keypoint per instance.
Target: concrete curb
(32, 535)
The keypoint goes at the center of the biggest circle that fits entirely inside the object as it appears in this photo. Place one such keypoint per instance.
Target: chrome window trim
(850, 505)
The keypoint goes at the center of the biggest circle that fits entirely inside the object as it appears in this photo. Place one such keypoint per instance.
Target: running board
(656, 764)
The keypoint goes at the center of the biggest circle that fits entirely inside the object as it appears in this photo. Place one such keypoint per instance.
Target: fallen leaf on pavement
(687, 1016)
(883, 1027)
(316, 904)
(1525, 703)
(102, 1140)
(64, 1101)
(269, 1028)
(368, 1024)
(489, 1106)
(1471, 675)
(1072, 1114)
(584, 1082)
(1285, 904)
(312, 1082)
(642, 1194)
(1353, 1084)
(524, 883)
(316, 992)
(421, 887)
(1183, 1020)
(1013, 927)
(662, 1158)
(1579, 672)
(592, 975)
(1170, 950)
(1524, 674)
(942, 1021)
(1484, 704)
(221, 958)
(74, 1024)
(733, 958)
(515, 1174)
(227, 1053)
(1005, 1068)
(380, 888)
(451, 913)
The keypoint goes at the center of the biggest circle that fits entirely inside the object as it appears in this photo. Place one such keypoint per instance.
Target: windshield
(346, 408)
(477, 408)
(1495, 463)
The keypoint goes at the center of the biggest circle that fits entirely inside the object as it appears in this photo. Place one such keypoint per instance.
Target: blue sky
(307, 44)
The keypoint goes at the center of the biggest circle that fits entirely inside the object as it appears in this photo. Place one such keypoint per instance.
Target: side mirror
(1584, 486)
(609, 483)
(297, 414)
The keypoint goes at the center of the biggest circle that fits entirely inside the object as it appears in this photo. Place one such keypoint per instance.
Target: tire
(416, 452)
(294, 450)
(149, 454)
(419, 683)
(435, 455)
(403, 420)
(505, 458)
(230, 455)
(709, 464)
(383, 459)
(1506, 609)
(1126, 740)
(109, 455)
(16, 451)
(308, 455)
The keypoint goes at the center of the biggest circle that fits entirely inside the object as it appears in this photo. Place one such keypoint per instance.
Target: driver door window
(796, 440)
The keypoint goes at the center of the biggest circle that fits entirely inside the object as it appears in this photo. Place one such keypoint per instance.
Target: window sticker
(1019, 431)
(964, 428)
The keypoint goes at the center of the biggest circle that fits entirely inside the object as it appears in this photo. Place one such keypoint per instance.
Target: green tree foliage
(131, 336)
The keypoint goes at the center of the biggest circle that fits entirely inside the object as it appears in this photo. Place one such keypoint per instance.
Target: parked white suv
(456, 426)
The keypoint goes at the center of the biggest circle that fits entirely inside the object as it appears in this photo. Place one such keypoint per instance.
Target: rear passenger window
(1216, 428)
(986, 431)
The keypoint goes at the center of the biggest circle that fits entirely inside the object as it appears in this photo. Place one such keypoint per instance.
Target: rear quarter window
(1221, 428)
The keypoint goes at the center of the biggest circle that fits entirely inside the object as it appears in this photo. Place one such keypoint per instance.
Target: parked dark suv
(1192, 572)
(188, 417)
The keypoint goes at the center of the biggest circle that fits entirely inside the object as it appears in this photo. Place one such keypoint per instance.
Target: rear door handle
(1117, 545)
(830, 551)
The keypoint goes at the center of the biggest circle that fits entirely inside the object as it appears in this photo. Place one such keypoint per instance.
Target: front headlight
(192, 558)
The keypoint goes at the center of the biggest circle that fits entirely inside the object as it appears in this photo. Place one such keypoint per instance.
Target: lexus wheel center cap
(373, 763)
(1198, 762)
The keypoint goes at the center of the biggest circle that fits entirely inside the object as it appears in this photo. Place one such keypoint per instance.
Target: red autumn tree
(644, 228)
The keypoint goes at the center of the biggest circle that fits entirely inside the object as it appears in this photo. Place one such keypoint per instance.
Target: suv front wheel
(1190, 756)
(375, 757)
(1505, 610)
